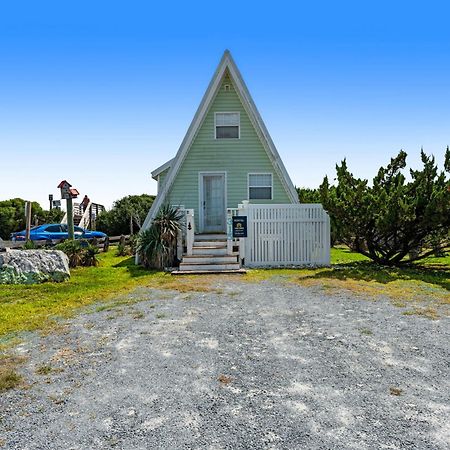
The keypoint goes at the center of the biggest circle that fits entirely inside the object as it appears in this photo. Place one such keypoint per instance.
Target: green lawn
(28, 308)
(31, 307)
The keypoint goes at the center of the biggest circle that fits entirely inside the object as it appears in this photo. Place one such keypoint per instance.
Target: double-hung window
(260, 186)
(227, 125)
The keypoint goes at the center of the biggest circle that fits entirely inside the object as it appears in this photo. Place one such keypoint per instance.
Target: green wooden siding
(236, 157)
(161, 178)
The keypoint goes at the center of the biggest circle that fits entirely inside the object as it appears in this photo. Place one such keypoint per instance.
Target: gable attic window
(227, 125)
(260, 186)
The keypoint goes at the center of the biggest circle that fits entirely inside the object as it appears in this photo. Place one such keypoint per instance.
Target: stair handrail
(86, 217)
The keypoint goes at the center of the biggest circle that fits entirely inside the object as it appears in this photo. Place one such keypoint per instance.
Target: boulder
(33, 266)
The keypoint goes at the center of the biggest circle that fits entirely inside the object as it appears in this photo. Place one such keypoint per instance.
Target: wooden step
(208, 272)
(210, 237)
(216, 244)
(212, 251)
(207, 267)
(194, 259)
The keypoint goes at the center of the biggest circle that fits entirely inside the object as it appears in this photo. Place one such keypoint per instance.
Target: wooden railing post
(242, 241)
(229, 232)
(190, 224)
(179, 245)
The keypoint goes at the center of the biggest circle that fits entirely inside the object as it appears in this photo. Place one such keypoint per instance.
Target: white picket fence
(286, 235)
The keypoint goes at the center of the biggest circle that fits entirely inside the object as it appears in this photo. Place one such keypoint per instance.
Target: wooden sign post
(69, 209)
(68, 193)
(28, 220)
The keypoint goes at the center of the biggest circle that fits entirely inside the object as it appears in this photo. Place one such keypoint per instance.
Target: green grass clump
(44, 370)
(9, 378)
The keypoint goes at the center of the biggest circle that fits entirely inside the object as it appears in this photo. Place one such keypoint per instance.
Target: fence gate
(287, 234)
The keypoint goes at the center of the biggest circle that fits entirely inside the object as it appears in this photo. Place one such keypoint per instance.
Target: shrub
(80, 252)
(393, 221)
(122, 250)
(158, 244)
(90, 254)
(126, 215)
(74, 251)
(29, 245)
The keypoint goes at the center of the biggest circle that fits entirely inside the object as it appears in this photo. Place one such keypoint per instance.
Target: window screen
(227, 125)
(260, 186)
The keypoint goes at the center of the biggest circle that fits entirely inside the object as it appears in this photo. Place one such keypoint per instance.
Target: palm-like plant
(157, 245)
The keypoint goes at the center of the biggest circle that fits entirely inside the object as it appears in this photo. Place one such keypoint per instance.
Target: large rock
(33, 266)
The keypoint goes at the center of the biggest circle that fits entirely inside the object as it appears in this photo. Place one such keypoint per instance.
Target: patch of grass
(116, 303)
(341, 254)
(160, 316)
(9, 378)
(39, 307)
(44, 369)
(138, 315)
(425, 283)
(366, 331)
(428, 312)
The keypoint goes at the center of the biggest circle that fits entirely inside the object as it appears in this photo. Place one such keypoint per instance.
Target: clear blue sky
(101, 93)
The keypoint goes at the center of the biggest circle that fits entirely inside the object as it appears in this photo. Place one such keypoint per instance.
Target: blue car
(56, 231)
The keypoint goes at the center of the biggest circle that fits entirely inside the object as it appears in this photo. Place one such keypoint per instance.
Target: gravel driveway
(246, 366)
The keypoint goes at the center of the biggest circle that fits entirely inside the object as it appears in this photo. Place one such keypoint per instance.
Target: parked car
(56, 231)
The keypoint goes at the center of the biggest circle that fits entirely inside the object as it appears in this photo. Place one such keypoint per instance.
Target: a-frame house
(227, 156)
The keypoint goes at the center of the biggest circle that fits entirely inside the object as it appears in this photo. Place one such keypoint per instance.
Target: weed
(224, 379)
(9, 378)
(138, 315)
(366, 331)
(160, 316)
(44, 370)
(427, 312)
(395, 391)
(56, 400)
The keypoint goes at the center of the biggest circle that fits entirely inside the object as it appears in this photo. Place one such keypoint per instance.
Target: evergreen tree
(394, 221)
(126, 216)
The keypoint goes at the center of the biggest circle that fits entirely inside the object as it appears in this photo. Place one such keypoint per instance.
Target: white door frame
(201, 216)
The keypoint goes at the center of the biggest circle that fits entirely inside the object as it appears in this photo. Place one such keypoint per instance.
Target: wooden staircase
(209, 255)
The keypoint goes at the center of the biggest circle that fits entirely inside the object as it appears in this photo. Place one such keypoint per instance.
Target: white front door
(212, 203)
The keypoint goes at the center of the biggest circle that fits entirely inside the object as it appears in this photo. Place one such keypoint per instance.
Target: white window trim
(271, 185)
(215, 125)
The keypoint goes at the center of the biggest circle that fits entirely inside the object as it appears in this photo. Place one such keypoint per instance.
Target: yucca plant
(158, 244)
(90, 255)
(80, 252)
(74, 251)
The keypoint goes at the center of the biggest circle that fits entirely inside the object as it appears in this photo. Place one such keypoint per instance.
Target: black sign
(239, 226)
